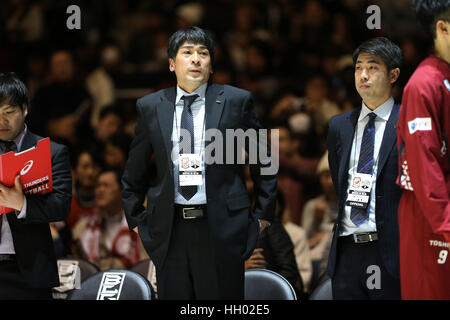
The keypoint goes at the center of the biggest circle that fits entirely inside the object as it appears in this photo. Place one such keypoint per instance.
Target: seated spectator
(111, 122)
(86, 167)
(294, 173)
(318, 217)
(104, 238)
(299, 240)
(100, 83)
(308, 116)
(25, 21)
(62, 238)
(275, 251)
(259, 76)
(321, 212)
(291, 110)
(116, 151)
(61, 109)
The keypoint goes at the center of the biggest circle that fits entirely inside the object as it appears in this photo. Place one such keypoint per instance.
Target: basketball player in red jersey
(423, 131)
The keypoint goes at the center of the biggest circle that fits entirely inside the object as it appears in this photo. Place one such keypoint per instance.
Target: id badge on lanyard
(359, 193)
(190, 169)
(360, 188)
(189, 164)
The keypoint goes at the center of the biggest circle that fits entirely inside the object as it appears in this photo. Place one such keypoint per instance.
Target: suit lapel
(347, 133)
(164, 111)
(389, 138)
(29, 141)
(213, 105)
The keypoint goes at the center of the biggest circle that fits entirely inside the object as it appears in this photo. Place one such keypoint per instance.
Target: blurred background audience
(103, 237)
(293, 55)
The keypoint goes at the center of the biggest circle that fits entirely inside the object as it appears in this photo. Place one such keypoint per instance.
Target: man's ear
(171, 65)
(25, 110)
(394, 74)
(442, 27)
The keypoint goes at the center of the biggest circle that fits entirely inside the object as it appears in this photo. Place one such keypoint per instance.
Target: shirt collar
(201, 91)
(19, 138)
(383, 111)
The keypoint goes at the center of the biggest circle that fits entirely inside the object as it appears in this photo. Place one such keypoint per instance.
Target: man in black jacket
(198, 233)
(28, 267)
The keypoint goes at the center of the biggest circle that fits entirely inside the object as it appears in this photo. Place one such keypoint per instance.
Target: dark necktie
(365, 165)
(187, 123)
(7, 146)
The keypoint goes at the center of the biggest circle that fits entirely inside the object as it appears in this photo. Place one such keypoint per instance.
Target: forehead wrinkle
(368, 58)
(193, 45)
(370, 61)
(7, 106)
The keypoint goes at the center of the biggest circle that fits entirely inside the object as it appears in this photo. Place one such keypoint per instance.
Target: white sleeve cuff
(23, 213)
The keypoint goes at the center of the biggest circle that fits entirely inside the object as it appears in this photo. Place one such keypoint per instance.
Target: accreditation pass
(190, 170)
(359, 192)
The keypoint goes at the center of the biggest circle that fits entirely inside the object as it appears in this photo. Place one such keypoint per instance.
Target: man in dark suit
(197, 230)
(28, 267)
(364, 255)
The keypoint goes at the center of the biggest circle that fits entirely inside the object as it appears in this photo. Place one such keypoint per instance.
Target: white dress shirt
(198, 112)
(383, 112)
(6, 242)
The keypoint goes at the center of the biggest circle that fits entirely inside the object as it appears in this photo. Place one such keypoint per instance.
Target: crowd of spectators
(294, 56)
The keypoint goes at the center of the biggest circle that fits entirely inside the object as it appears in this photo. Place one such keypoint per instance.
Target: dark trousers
(14, 287)
(190, 270)
(360, 273)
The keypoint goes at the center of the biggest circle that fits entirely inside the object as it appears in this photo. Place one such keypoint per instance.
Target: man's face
(87, 170)
(316, 89)
(373, 81)
(114, 156)
(108, 126)
(61, 66)
(192, 66)
(107, 192)
(284, 142)
(12, 120)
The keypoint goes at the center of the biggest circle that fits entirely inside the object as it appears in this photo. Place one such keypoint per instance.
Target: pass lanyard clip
(178, 130)
(361, 183)
(189, 164)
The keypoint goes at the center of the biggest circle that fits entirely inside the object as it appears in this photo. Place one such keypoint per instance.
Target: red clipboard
(34, 166)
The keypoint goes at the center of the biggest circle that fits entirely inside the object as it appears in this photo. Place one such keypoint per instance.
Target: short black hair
(118, 173)
(113, 108)
(383, 48)
(13, 91)
(122, 141)
(428, 12)
(91, 149)
(193, 34)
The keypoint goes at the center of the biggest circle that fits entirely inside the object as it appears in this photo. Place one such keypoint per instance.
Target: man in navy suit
(364, 255)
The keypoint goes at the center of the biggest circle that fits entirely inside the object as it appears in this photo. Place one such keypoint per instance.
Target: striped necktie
(365, 165)
(187, 123)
